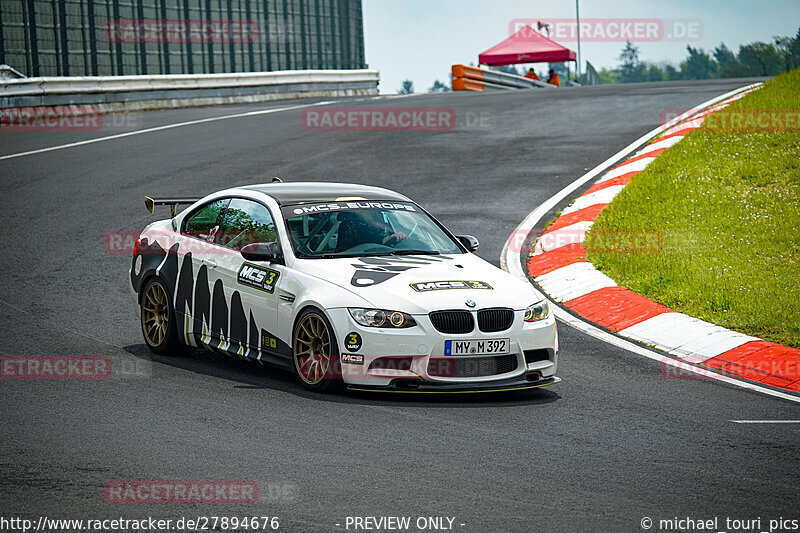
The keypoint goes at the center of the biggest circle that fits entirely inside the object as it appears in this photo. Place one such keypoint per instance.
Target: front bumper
(389, 357)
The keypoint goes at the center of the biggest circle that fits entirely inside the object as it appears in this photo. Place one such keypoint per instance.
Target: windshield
(353, 229)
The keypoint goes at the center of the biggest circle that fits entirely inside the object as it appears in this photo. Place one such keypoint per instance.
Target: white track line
(666, 143)
(510, 261)
(162, 128)
(766, 421)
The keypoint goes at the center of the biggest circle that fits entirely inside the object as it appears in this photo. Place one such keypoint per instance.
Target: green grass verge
(728, 206)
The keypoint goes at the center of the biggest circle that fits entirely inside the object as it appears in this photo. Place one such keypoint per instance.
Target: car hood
(420, 284)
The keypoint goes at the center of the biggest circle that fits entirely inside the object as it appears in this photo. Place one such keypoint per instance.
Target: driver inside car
(365, 227)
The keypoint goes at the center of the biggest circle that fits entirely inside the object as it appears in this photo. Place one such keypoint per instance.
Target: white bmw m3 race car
(345, 285)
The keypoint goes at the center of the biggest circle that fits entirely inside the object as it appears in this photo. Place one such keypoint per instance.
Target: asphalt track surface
(611, 444)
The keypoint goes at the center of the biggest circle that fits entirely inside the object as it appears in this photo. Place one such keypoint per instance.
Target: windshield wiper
(339, 256)
(416, 252)
(374, 254)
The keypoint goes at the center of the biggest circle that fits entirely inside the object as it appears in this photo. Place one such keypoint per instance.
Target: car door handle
(209, 262)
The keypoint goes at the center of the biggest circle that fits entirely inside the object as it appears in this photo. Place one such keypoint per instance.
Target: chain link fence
(146, 37)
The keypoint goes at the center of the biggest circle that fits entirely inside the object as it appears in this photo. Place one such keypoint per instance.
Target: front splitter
(422, 387)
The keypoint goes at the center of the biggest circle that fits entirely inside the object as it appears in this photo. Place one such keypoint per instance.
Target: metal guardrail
(467, 78)
(129, 93)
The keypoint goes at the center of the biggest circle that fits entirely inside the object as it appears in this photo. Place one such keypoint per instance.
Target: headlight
(537, 311)
(381, 318)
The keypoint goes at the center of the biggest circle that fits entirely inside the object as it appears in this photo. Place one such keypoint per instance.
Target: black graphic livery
(215, 323)
(375, 270)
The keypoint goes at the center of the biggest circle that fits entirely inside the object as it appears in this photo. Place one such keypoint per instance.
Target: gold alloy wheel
(155, 314)
(312, 349)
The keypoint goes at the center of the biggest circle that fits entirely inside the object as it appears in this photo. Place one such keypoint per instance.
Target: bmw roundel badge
(470, 303)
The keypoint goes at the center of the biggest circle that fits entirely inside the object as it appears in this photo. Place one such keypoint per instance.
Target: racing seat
(348, 234)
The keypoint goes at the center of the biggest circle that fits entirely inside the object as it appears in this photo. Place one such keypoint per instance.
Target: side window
(203, 222)
(245, 222)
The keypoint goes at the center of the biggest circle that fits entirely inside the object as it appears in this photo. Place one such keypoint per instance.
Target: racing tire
(315, 353)
(157, 316)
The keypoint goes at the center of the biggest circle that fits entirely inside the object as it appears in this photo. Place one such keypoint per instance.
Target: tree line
(753, 59)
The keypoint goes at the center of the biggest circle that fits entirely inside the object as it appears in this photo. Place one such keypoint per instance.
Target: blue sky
(421, 39)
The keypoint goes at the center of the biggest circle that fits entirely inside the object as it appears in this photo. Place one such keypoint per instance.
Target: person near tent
(553, 79)
(531, 75)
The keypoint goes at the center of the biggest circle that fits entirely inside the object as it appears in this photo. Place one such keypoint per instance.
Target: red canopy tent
(526, 46)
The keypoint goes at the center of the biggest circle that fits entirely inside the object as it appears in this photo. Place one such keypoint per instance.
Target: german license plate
(477, 347)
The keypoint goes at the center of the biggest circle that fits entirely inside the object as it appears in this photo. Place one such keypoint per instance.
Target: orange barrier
(464, 84)
(468, 78)
(465, 71)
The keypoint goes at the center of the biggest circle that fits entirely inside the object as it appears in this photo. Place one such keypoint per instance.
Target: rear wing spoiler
(173, 203)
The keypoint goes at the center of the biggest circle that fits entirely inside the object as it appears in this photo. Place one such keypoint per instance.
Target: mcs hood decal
(448, 285)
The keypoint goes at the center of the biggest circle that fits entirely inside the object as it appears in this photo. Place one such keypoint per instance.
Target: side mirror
(261, 251)
(469, 242)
